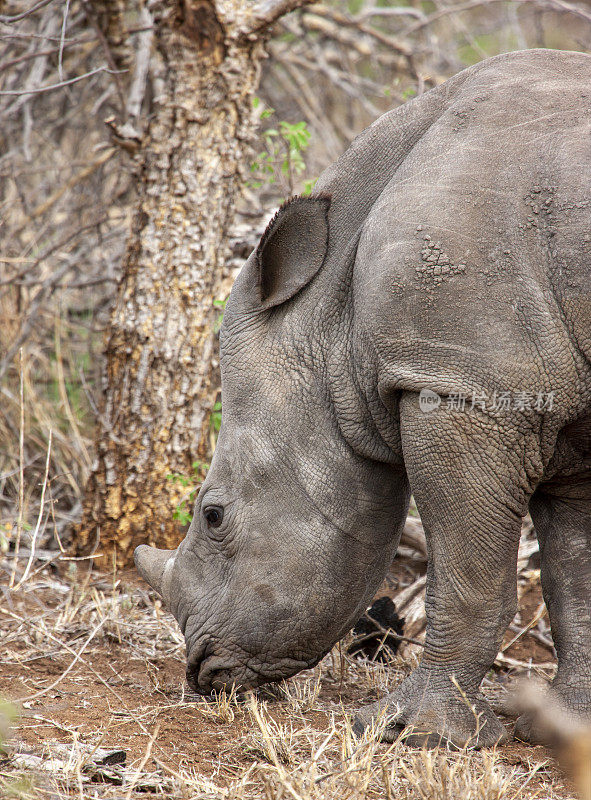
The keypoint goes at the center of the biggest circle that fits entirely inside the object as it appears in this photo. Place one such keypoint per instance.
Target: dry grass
(91, 664)
(73, 641)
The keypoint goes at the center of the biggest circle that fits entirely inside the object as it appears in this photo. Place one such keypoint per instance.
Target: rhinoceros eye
(214, 516)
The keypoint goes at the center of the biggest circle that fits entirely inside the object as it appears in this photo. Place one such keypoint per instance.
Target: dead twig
(552, 5)
(21, 477)
(39, 518)
(71, 666)
(7, 20)
(61, 84)
(264, 13)
(137, 87)
(143, 762)
(540, 611)
(43, 207)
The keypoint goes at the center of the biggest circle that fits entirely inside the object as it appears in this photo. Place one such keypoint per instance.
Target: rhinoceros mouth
(214, 675)
(195, 663)
(195, 678)
(202, 669)
(208, 672)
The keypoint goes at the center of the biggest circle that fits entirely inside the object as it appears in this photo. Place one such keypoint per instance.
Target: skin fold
(448, 249)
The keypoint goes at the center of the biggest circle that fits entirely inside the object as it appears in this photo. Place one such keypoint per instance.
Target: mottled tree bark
(160, 379)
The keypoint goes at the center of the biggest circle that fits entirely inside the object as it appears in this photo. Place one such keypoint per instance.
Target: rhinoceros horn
(154, 566)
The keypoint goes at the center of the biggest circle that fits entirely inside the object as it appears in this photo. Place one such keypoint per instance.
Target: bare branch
(62, 40)
(345, 21)
(6, 20)
(41, 89)
(6, 65)
(387, 11)
(142, 63)
(266, 12)
(36, 75)
(549, 5)
(106, 45)
(65, 187)
(44, 291)
(565, 8)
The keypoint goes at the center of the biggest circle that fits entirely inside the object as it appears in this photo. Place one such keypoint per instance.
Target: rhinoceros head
(292, 528)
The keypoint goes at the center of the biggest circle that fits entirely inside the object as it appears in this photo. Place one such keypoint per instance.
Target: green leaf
(308, 186)
(293, 137)
(182, 514)
(177, 477)
(216, 416)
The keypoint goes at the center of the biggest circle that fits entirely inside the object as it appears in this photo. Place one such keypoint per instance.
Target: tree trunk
(161, 364)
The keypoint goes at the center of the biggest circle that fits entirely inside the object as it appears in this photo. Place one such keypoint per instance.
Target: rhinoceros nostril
(192, 680)
(195, 663)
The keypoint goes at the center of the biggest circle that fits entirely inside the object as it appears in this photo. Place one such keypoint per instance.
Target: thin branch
(77, 658)
(47, 287)
(43, 207)
(72, 664)
(348, 22)
(142, 63)
(266, 12)
(550, 5)
(39, 518)
(64, 395)
(62, 40)
(40, 53)
(33, 263)
(540, 611)
(143, 762)
(387, 11)
(6, 20)
(7, 36)
(34, 78)
(92, 17)
(41, 89)
(566, 8)
(21, 481)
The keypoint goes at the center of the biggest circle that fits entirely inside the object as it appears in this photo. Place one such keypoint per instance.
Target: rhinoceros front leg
(561, 513)
(468, 474)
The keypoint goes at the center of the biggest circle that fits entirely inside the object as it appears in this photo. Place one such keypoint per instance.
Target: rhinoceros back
(472, 271)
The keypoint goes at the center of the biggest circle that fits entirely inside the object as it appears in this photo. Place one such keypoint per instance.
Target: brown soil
(151, 693)
(117, 700)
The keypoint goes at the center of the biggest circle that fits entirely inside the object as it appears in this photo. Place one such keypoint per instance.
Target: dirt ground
(93, 669)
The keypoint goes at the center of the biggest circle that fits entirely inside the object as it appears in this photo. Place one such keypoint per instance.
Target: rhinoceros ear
(292, 249)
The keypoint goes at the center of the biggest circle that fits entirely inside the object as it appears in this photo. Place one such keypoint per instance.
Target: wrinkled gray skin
(449, 248)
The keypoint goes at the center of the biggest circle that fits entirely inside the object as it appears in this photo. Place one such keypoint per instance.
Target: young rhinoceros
(421, 323)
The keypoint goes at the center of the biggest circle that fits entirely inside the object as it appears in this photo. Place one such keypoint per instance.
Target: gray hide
(449, 249)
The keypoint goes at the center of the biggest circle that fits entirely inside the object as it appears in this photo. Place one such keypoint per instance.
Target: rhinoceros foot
(433, 712)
